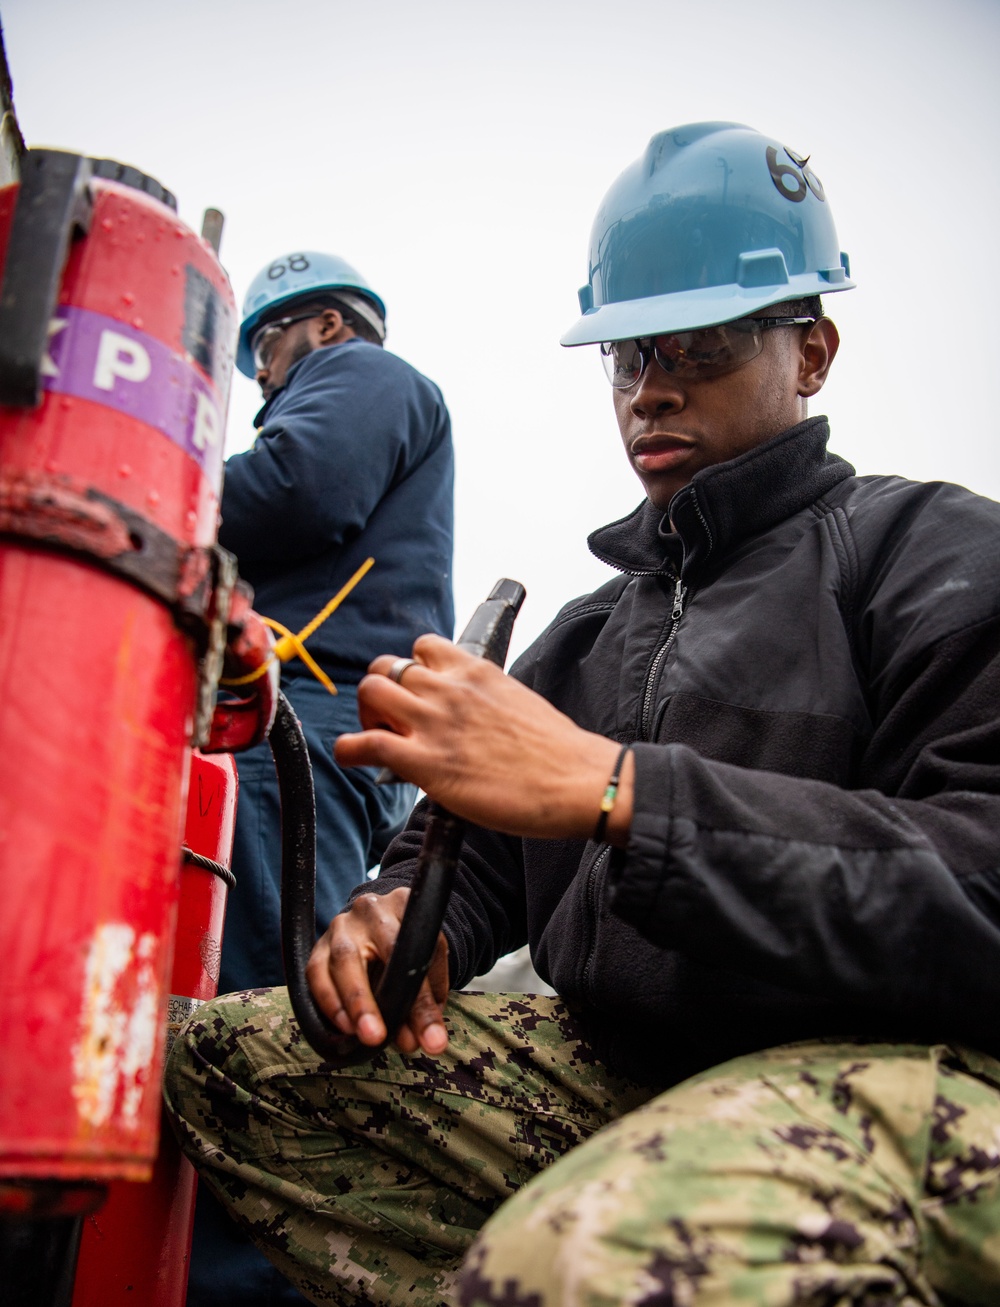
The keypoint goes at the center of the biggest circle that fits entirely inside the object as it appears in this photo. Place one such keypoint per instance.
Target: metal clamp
(53, 205)
(197, 583)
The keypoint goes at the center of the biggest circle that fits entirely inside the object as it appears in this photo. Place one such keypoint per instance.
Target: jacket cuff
(639, 876)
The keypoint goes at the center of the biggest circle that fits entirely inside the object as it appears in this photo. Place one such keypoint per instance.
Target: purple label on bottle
(95, 357)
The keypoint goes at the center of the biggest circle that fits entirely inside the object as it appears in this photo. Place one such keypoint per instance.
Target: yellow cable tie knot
(288, 646)
(291, 645)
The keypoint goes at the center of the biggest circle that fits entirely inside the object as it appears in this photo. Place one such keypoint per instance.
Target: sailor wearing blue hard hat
(741, 803)
(715, 237)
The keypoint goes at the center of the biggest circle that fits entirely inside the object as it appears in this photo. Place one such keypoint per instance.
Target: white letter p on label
(206, 423)
(119, 356)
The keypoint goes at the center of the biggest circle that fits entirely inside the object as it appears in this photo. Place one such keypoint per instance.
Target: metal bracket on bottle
(54, 204)
(195, 582)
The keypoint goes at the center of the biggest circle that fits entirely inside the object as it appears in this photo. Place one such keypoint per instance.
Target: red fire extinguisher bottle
(117, 327)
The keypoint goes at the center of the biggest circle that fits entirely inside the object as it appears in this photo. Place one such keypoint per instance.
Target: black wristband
(610, 794)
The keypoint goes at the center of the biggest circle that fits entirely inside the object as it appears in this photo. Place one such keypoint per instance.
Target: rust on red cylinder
(135, 1249)
(38, 507)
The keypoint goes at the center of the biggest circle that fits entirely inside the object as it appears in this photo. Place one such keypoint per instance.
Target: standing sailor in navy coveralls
(353, 459)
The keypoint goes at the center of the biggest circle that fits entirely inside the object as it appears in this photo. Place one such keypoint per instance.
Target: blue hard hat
(713, 222)
(291, 277)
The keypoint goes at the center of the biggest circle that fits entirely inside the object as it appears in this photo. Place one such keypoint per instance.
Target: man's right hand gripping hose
(486, 636)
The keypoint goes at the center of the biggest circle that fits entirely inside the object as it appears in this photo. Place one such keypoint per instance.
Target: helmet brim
(685, 310)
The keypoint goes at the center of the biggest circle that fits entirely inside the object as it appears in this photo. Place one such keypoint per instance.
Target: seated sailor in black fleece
(771, 1075)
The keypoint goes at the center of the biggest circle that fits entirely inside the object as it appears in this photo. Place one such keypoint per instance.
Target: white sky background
(456, 153)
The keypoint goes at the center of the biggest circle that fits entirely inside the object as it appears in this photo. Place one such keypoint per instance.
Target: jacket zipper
(645, 724)
(591, 908)
(593, 872)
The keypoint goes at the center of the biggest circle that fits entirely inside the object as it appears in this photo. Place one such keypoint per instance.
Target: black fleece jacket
(810, 672)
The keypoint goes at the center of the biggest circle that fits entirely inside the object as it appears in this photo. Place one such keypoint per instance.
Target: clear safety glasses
(265, 339)
(691, 355)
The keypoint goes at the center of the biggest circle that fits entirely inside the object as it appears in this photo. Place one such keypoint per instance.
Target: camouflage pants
(822, 1174)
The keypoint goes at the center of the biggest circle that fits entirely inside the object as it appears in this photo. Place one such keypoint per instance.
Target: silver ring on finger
(397, 669)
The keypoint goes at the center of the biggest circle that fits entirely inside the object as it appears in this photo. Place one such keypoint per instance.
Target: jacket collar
(295, 370)
(725, 503)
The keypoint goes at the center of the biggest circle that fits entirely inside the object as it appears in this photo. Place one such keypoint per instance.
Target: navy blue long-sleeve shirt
(354, 458)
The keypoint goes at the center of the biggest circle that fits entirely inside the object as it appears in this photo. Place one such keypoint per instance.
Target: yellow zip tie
(291, 645)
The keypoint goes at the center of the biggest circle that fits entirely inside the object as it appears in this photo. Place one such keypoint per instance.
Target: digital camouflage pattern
(817, 1174)
(368, 1184)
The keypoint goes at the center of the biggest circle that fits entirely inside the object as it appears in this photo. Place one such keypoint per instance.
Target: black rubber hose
(486, 636)
(401, 979)
(413, 951)
(298, 873)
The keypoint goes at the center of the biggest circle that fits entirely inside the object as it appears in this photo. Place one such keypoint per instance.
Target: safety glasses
(264, 340)
(691, 355)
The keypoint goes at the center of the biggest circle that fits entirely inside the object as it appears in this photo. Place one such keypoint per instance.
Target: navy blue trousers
(355, 820)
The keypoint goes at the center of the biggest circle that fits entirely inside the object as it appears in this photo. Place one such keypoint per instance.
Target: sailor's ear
(331, 326)
(819, 349)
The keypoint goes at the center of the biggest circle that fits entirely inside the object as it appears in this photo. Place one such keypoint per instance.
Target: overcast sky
(456, 153)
